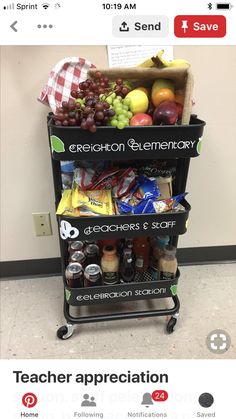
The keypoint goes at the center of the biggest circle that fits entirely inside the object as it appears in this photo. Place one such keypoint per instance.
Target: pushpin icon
(184, 25)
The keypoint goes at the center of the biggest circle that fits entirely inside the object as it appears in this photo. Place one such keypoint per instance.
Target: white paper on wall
(132, 55)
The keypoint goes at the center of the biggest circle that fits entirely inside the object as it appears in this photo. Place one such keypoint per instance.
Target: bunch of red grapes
(120, 89)
(90, 107)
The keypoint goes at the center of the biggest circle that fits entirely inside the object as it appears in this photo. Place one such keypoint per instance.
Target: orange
(179, 97)
(161, 95)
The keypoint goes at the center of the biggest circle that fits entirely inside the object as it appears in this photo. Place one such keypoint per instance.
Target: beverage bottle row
(110, 262)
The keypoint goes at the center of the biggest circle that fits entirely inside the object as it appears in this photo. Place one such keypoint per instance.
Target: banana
(147, 64)
(159, 62)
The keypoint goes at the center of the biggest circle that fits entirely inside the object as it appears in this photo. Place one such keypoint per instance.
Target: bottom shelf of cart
(121, 292)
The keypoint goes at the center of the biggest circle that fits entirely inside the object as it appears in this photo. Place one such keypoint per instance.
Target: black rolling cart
(131, 143)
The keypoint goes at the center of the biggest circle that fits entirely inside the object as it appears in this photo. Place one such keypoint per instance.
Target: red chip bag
(125, 182)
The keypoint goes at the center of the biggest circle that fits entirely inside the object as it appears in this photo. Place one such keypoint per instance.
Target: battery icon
(224, 6)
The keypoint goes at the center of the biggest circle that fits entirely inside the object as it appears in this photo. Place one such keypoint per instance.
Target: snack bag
(147, 188)
(124, 208)
(85, 212)
(99, 201)
(173, 203)
(65, 205)
(106, 180)
(144, 207)
(84, 178)
(126, 181)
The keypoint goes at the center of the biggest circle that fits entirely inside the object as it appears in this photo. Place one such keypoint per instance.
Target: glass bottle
(142, 253)
(160, 243)
(127, 270)
(110, 265)
(167, 264)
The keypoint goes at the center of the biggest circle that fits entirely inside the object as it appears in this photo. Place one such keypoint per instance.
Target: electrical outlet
(42, 224)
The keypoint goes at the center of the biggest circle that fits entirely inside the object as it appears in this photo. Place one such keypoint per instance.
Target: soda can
(90, 242)
(92, 254)
(78, 256)
(92, 276)
(74, 275)
(75, 246)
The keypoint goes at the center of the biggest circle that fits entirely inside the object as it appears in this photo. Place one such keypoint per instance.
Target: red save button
(200, 26)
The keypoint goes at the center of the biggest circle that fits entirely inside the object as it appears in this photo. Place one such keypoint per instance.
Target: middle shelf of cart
(118, 226)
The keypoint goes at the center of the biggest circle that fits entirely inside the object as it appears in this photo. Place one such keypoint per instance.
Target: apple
(180, 109)
(166, 113)
(141, 120)
(144, 89)
(138, 101)
(151, 108)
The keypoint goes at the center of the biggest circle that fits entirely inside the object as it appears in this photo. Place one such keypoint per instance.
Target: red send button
(200, 26)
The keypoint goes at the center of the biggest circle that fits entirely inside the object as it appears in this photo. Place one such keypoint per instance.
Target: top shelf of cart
(109, 143)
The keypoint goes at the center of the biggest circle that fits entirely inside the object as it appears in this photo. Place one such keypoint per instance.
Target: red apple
(151, 109)
(180, 110)
(141, 120)
(166, 113)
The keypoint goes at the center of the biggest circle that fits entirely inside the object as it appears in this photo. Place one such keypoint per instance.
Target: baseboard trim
(52, 267)
(30, 268)
(206, 255)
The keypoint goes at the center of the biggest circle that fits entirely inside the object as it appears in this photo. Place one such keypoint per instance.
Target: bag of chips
(99, 201)
(170, 204)
(65, 205)
(147, 188)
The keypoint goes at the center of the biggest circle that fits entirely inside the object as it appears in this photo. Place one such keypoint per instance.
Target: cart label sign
(68, 294)
(67, 231)
(121, 292)
(199, 145)
(57, 144)
(72, 149)
(132, 294)
(134, 146)
(173, 289)
(113, 228)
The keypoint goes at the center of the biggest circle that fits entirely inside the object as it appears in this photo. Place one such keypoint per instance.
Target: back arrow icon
(13, 26)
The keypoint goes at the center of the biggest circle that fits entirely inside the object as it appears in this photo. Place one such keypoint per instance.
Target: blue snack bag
(147, 188)
(125, 208)
(67, 166)
(178, 198)
(144, 207)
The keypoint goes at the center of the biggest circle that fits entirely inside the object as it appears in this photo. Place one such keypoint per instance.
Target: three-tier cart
(179, 143)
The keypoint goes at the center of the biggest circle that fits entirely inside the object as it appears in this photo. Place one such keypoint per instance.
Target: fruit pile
(100, 102)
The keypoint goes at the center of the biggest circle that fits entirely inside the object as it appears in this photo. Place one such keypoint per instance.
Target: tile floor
(31, 312)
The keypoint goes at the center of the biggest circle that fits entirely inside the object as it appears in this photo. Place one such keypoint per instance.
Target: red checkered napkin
(64, 77)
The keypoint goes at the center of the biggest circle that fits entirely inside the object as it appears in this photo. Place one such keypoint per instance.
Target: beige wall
(26, 179)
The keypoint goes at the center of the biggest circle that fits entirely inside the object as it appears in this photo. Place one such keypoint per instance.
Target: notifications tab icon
(200, 26)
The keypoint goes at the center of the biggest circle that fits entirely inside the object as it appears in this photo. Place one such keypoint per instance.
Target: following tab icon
(200, 26)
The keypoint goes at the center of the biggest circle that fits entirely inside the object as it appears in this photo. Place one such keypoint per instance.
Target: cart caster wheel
(65, 332)
(171, 325)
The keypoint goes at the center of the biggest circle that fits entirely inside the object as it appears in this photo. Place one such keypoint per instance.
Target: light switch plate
(42, 224)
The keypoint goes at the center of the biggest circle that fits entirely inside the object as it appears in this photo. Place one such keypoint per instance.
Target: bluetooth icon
(209, 6)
